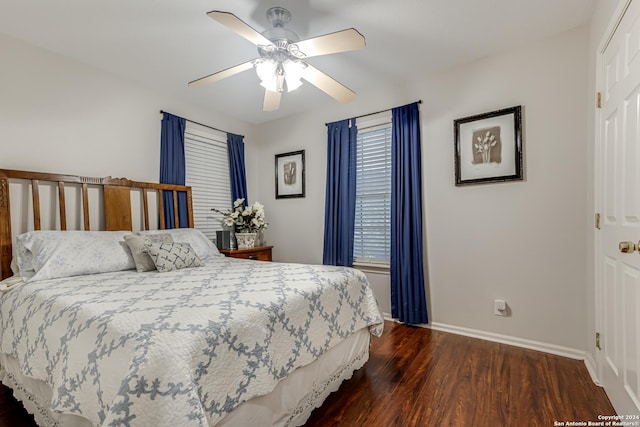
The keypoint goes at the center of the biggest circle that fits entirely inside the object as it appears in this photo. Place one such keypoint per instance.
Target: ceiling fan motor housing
(281, 37)
(278, 16)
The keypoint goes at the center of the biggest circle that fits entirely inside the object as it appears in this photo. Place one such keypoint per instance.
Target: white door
(619, 201)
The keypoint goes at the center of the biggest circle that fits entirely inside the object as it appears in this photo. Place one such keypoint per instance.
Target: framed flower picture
(290, 175)
(488, 147)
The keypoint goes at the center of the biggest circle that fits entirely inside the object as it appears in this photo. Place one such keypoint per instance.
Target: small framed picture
(488, 147)
(290, 175)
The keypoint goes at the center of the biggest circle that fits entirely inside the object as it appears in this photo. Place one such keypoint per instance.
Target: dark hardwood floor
(420, 377)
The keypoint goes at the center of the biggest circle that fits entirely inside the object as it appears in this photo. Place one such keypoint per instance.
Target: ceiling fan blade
(237, 25)
(271, 100)
(221, 74)
(327, 84)
(341, 41)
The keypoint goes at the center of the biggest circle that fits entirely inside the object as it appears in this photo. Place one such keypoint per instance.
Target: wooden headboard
(117, 204)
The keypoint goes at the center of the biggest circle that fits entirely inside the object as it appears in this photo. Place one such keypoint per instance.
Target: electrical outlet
(500, 307)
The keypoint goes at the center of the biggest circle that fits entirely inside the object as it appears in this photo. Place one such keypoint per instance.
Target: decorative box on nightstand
(261, 253)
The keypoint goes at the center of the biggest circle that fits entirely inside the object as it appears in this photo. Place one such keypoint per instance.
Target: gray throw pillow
(136, 245)
(172, 256)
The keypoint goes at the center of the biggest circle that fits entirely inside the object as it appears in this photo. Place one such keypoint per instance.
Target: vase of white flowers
(248, 222)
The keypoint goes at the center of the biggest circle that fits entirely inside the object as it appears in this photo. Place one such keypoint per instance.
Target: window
(207, 172)
(372, 231)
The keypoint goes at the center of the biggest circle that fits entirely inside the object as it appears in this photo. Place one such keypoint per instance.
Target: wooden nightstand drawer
(262, 253)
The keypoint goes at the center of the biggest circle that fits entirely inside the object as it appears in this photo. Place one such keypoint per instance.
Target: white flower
(249, 219)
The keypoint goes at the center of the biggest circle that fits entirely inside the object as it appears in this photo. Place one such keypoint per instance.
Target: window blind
(372, 233)
(207, 172)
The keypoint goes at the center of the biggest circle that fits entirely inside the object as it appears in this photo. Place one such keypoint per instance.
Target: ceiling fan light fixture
(266, 69)
(293, 74)
(273, 74)
(293, 84)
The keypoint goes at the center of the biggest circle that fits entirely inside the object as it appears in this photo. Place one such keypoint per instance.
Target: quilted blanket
(180, 348)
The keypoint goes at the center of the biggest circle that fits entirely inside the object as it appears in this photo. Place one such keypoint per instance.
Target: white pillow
(55, 254)
(203, 247)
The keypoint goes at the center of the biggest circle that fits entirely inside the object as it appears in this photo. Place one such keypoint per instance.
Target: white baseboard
(515, 341)
(590, 363)
(558, 350)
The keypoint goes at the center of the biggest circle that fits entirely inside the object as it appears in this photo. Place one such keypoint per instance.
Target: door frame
(608, 34)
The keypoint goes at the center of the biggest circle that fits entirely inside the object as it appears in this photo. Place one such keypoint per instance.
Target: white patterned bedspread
(179, 348)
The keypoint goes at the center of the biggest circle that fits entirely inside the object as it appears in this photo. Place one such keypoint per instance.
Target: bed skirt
(289, 404)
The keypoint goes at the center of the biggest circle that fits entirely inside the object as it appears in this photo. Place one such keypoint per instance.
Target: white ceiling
(164, 44)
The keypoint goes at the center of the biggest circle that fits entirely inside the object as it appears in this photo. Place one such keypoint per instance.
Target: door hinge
(598, 340)
(598, 221)
(598, 100)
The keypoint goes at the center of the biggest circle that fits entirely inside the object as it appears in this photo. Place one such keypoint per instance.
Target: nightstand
(261, 253)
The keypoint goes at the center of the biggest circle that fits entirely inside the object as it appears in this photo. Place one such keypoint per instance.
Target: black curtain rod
(201, 124)
(419, 101)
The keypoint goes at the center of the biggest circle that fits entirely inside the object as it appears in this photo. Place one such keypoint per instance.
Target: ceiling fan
(282, 52)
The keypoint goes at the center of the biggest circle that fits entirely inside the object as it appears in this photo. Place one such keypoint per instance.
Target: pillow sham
(23, 259)
(14, 266)
(56, 254)
(136, 245)
(203, 247)
(172, 256)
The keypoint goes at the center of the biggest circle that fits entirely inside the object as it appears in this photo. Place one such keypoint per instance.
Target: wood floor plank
(420, 377)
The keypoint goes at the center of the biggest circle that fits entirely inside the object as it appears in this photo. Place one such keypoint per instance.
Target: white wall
(521, 241)
(60, 116)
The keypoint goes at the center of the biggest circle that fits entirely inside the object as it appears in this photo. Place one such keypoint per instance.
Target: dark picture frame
(290, 175)
(488, 147)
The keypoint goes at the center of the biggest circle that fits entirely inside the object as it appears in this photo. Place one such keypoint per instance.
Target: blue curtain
(172, 167)
(408, 302)
(340, 203)
(237, 173)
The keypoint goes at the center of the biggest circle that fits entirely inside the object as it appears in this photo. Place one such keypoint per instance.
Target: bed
(91, 335)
